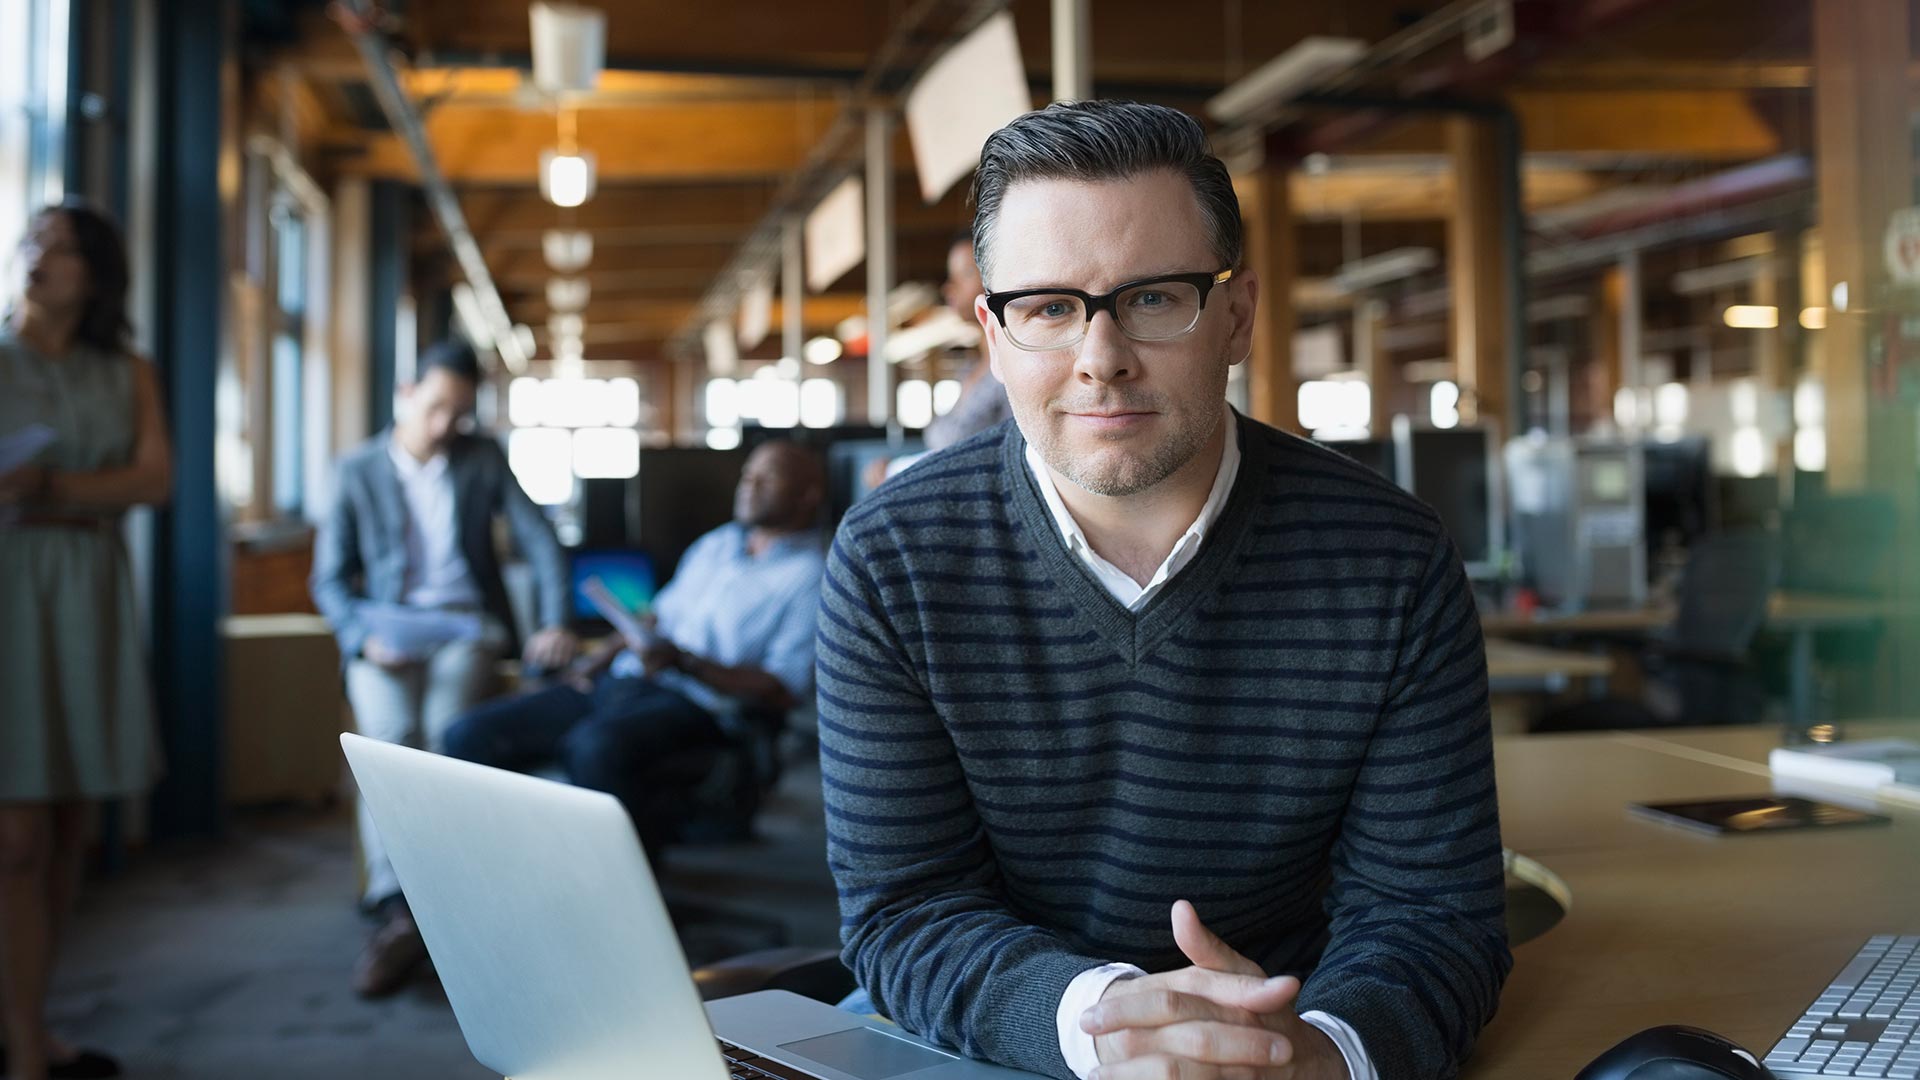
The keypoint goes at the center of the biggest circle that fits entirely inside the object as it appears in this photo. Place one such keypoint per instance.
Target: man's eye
(1056, 309)
(1149, 299)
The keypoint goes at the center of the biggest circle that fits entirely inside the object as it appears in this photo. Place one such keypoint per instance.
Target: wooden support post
(1273, 394)
(1864, 171)
(1477, 270)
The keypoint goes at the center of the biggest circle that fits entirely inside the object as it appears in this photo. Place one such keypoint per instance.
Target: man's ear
(989, 335)
(1243, 295)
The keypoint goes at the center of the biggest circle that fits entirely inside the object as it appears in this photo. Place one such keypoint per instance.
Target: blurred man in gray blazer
(411, 531)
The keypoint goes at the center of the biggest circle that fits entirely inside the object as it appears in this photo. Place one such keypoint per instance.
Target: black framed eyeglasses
(1151, 309)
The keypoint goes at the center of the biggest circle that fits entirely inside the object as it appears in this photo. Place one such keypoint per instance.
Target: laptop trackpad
(866, 1053)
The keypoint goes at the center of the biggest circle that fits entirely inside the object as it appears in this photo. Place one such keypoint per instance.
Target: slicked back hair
(1093, 141)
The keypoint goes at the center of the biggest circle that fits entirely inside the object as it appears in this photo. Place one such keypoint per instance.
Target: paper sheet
(21, 447)
(416, 632)
(616, 613)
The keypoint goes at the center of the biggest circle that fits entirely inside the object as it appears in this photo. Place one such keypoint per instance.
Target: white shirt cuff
(1083, 993)
(1359, 1065)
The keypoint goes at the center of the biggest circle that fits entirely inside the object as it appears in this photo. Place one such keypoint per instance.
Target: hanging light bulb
(566, 179)
(568, 251)
(567, 172)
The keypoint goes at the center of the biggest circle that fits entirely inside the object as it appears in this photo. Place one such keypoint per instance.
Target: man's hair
(453, 356)
(1090, 141)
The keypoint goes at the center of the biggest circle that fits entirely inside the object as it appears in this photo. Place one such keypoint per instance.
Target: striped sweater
(1021, 776)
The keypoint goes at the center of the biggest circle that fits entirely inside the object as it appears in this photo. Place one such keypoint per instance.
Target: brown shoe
(391, 957)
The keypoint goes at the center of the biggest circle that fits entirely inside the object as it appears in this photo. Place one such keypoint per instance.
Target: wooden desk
(1734, 934)
(1513, 660)
(1641, 620)
(1797, 615)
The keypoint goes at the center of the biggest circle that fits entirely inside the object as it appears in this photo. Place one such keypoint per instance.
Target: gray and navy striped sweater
(1021, 775)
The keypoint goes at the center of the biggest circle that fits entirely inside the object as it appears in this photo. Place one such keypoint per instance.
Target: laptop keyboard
(744, 1064)
(1865, 1023)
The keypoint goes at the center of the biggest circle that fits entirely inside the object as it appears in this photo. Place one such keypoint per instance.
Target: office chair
(1704, 658)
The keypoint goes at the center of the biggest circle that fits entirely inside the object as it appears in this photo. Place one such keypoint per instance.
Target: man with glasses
(1133, 661)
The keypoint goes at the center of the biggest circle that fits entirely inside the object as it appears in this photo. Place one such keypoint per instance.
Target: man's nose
(1106, 355)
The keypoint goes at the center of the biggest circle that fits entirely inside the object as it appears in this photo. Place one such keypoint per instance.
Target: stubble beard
(1115, 471)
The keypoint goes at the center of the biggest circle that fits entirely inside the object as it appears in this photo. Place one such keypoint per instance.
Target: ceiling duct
(569, 47)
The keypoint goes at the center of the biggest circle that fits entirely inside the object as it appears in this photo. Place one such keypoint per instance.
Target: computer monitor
(1680, 491)
(1456, 471)
(626, 573)
(1375, 454)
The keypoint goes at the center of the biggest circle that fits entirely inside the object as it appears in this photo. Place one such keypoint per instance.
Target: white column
(1632, 376)
(1072, 50)
(793, 290)
(879, 263)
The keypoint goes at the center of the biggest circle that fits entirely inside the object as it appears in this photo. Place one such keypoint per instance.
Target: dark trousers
(629, 738)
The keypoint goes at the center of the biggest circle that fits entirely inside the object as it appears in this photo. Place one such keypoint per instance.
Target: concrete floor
(233, 961)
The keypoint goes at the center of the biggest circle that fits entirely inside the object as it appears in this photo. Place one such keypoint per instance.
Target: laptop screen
(627, 574)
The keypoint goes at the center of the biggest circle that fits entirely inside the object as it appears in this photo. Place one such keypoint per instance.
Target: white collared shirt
(1086, 988)
(1131, 594)
(437, 571)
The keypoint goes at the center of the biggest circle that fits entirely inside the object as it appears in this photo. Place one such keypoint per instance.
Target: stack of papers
(417, 632)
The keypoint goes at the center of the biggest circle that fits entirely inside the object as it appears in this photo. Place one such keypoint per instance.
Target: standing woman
(76, 710)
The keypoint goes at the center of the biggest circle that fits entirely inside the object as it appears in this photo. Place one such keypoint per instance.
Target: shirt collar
(805, 538)
(410, 467)
(1210, 510)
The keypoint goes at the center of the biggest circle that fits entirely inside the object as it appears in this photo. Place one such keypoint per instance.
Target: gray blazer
(360, 554)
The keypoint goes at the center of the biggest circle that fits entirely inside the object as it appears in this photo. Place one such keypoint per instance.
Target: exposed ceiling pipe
(1745, 184)
(825, 166)
(1541, 28)
(359, 19)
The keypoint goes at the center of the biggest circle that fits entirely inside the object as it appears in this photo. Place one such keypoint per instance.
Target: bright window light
(1810, 449)
(1443, 404)
(1626, 407)
(526, 402)
(542, 460)
(1743, 402)
(1335, 405)
(1670, 406)
(623, 403)
(723, 403)
(914, 403)
(723, 438)
(819, 403)
(1749, 452)
(606, 453)
(1813, 318)
(1810, 405)
(750, 395)
(576, 403)
(779, 403)
(946, 394)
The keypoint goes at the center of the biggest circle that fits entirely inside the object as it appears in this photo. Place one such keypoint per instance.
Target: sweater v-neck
(1133, 634)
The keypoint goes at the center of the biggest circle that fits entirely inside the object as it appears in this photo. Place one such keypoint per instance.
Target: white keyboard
(1864, 1023)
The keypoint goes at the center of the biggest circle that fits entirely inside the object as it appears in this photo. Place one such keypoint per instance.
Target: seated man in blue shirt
(734, 629)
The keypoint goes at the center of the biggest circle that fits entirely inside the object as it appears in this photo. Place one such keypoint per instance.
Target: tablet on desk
(1758, 814)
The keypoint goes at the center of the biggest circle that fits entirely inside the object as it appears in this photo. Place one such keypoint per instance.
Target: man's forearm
(749, 684)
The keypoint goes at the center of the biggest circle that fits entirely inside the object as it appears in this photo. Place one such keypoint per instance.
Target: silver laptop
(556, 951)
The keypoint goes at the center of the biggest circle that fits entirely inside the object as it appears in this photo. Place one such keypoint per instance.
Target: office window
(571, 427)
(289, 358)
(33, 108)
